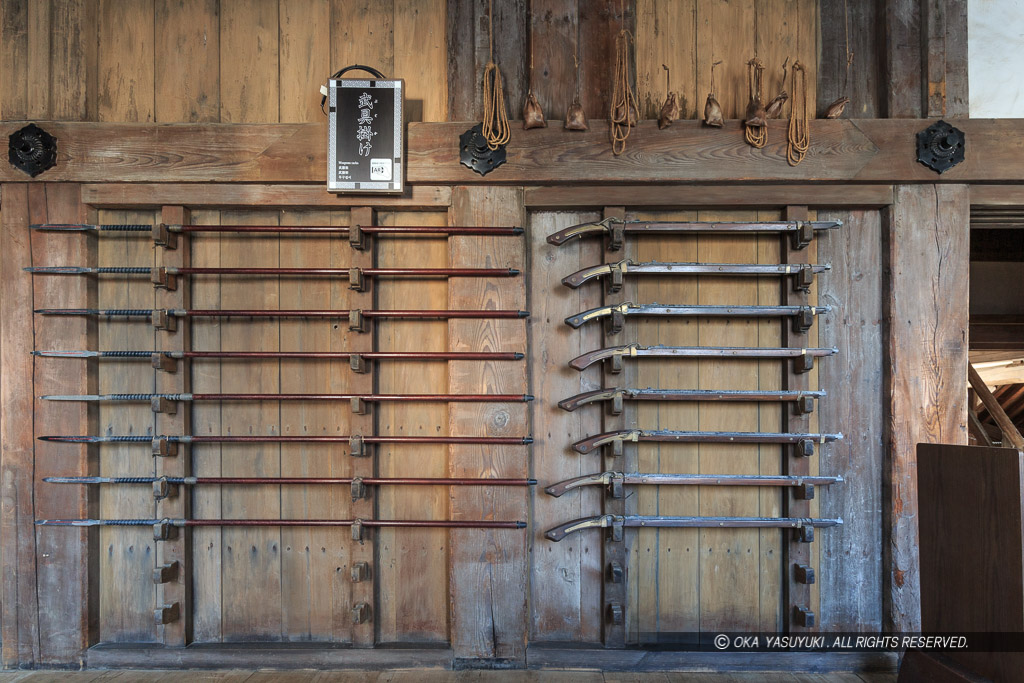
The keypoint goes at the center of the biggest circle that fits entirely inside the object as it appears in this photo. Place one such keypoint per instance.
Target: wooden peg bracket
(166, 573)
(360, 572)
(163, 405)
(164, 363)
(166, 614)
(164, 237)
(804, 573)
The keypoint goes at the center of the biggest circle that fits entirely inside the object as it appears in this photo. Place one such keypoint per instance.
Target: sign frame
(354, 132)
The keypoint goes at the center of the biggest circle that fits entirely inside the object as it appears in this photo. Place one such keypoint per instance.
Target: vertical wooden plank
(618, 552)
(178, 633)
(305, 58)
(362, 32)
(564, 576)
(855, 380)
(927, 317)
(63, 561)
(796, 595)
(725, 32)
(864, 84)
(207, 421)
(421, 58)
(469, 37)
(600, 23)
(251, 557)
(126, 62)
(551, 69)
(956, 87)
(780, 28)
(38, 95)
(666, 34)
(769, 377)
(903, 64)
(249, 86)
(187, 78)
(729, 558)
(412, 563)
(127, 554)
(365, 634)
(20, 625)
(14, 60)
(667, 583)
(73, 55)
(488, 571)
(313, 561)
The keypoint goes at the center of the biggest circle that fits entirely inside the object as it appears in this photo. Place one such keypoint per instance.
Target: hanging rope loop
(798, 138)
(624, 108)
(495, 126)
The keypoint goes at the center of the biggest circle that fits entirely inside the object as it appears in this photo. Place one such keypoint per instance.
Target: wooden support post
(176, 592)
(796, 594)
(1010, 432)
(614, 555)
(929, 257)
(363, 424)
(488, 568)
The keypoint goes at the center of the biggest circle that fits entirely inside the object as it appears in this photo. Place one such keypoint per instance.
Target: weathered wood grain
(250, 34)
(666, 34)
(38, 95)
(14, 60)
(665, 585)
(600, 22)
(362, 32)
(177, 633)
(876, 151)
(251, 572)
(127, 555)
(20, 632)
(124, 195)
(729, 559)
(588, 197)
(73, 60)
(927, 319)
(412, 563)
(488, 568)
(551, 70)
(187, 67)
(420, 58)
(207, 420)
(305, 28)
(125, 76)
(903, 64)
(863, 82)
(470, 48)
(856, 406)
(726, 33)
(565, 577)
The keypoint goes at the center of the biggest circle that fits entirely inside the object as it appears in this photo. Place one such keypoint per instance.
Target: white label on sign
(380, 169)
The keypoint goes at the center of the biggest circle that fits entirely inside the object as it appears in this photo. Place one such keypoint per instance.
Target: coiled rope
(798, 138)
(495, 126)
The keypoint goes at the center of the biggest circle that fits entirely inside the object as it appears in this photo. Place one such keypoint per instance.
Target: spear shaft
(188, 313)
(368, 355)
(286, 229)
(333, 272)
(370, 398)
(430, 523)
(369, 481)
(270, 438)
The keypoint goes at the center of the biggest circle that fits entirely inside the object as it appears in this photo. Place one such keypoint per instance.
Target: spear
(293, 229)
(368, 355)
(369, 398)
(332, 272)
(190, 313)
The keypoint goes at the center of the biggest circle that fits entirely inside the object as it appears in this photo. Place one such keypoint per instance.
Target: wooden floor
(428, 676)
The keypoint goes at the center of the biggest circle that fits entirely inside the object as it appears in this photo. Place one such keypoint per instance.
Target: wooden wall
(262, 61)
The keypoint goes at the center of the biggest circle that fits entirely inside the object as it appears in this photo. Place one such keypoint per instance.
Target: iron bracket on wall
(32, 150)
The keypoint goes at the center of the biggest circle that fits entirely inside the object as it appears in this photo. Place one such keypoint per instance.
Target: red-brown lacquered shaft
(344, 230)
(369, 355)
(215, 313)
(371, 398)
(370, 481)
(485, 440)
(446, 524)
(369, 272)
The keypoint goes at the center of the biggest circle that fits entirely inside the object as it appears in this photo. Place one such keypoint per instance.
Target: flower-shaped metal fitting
(32, 150)
(940, 146)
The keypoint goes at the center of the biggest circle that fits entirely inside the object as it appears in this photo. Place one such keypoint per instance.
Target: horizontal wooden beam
(872, 151)
(763, 196)
(232, 195)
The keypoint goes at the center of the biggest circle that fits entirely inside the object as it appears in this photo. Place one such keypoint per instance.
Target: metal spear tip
(531, 482)
(513, 271)
(522, 525)
(519, 356)
(517, 230)
(69, 227)
(524, 314)
(527, 439)
(527, 397)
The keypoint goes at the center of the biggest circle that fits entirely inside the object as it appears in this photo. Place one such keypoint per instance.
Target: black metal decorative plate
(940, 146)
(32, 150)
(474, 152)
